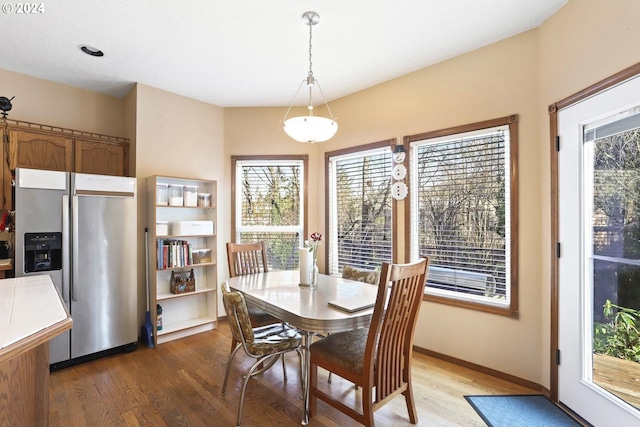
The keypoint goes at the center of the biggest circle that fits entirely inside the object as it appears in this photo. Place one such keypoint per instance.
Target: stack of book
(174, 253)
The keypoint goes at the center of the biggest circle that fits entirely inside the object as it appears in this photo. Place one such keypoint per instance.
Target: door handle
(65, 248)
(74, 245)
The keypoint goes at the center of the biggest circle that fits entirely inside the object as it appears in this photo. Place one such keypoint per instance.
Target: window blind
(269, 201)
(461, 211)
(360, 205)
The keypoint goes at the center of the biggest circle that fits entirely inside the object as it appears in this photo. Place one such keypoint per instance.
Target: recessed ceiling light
(90, 50)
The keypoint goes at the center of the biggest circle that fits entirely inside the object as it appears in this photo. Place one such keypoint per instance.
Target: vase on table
(313, 275)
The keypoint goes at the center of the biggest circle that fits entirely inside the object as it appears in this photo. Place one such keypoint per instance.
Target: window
(360, 207)
(463, 213)
(269, 203)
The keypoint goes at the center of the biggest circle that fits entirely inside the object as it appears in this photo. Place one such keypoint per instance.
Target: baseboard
(485, 370)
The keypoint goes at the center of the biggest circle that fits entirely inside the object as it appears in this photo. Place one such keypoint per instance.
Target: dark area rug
(520, 411)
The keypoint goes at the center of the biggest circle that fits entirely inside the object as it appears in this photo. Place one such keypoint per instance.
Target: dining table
(310, 310)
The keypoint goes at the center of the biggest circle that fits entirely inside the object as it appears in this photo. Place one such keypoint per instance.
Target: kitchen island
(31, 313)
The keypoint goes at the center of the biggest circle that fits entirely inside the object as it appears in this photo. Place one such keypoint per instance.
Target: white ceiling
(238, 53)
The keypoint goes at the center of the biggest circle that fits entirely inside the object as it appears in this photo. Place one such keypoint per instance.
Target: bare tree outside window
(269, 206)
(462, 213)
(360, 207)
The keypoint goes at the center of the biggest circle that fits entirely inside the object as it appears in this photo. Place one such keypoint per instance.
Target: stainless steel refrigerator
(81, 230)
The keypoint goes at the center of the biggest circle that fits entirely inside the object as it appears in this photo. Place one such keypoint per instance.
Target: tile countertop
(28, 305)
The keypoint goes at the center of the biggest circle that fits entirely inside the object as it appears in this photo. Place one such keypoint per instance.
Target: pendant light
(310, 128)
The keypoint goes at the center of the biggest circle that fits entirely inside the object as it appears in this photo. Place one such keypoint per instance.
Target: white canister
(306, 265)
(191, 195)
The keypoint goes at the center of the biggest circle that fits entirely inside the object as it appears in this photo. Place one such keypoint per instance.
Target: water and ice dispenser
(42, 252)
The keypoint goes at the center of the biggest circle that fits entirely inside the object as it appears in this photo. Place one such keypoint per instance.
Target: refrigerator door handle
(65, 248)
(74, 244)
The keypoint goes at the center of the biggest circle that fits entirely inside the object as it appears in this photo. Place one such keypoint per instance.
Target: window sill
(506, 311)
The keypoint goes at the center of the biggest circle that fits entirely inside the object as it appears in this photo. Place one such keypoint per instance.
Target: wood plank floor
(179, 384)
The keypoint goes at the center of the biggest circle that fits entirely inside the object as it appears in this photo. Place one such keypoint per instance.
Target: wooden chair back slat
(247, 258)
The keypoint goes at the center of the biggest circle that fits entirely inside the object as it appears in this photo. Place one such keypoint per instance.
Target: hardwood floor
(179, 384)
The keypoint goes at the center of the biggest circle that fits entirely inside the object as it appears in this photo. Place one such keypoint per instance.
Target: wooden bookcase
(191, 312)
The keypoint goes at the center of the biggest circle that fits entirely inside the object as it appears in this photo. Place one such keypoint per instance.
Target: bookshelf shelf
(187, 267)
(164, 296)
(190, 312)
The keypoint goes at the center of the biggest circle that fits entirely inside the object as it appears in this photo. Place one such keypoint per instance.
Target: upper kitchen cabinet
(35, 150)
(100, 157)
(5, 172)
(37, 146)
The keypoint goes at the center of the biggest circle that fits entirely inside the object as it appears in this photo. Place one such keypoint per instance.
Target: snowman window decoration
(399, 188)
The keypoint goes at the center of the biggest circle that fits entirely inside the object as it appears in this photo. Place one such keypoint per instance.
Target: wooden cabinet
(34, 146)
(35, 150)
(176, 230)
(5, 173)
(100, 157)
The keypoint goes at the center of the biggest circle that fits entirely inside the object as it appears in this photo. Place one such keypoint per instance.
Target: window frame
(512, 308)
(391, 143)
(270, 158)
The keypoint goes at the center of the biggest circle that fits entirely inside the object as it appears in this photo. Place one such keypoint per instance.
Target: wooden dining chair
(378, 358)
(265, 344)
(250, 258)
(359, 275)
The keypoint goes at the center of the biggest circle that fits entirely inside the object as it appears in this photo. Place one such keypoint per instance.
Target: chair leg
(367, 406)
(284, 368)
(226, 373)
(244, 385)
(411, 406)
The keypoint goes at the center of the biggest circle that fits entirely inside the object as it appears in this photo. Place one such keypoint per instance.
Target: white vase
(306, 266)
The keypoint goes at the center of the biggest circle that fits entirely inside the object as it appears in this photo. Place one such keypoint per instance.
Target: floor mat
(520, 411)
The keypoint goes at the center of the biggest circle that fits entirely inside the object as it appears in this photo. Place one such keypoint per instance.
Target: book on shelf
(174, 253)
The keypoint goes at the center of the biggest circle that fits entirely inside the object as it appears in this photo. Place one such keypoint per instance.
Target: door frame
(554, 108)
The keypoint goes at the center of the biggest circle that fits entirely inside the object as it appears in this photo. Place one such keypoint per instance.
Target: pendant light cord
(310, 37)
(310, 80)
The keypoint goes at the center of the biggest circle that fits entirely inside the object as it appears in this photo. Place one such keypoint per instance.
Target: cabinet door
(5, 173)
(40, 151)
(100, 158)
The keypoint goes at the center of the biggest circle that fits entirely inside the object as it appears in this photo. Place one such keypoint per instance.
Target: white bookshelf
(190, 312)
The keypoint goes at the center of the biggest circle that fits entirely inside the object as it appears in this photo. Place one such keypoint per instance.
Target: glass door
(599, 280)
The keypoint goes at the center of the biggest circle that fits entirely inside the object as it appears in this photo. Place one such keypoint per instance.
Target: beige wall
(584, 42)
(179, 137)
(44, 102)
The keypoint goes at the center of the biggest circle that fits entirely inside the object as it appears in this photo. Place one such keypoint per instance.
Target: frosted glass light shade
(310, 128)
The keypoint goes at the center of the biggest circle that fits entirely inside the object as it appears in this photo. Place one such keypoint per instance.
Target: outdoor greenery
(619, 336)
(616, 222)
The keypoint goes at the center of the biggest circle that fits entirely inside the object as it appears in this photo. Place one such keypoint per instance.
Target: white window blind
(269, 207)
(360, 218)
(460, 213)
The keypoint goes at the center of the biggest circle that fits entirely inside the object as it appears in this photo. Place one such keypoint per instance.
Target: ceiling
(241, 53)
